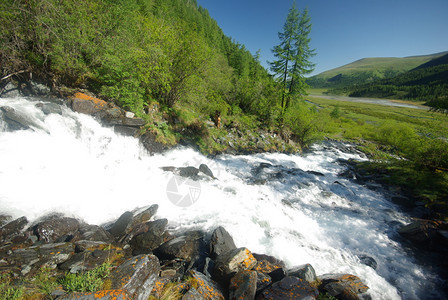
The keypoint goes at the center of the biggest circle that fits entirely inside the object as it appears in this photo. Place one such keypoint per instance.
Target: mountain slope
(427, 82)
(368, 70)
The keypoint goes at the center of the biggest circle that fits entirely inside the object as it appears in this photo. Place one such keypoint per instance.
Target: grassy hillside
(368, 70)
(428, 82)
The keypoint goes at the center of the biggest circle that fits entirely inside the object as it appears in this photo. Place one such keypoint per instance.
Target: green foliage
(89, 281)
(45, 281)
(303, 122)
(8, 291)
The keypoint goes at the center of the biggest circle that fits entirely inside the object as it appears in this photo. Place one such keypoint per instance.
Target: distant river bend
(372, 101)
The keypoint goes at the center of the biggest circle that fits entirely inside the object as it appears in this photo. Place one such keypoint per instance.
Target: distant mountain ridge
(367, 70)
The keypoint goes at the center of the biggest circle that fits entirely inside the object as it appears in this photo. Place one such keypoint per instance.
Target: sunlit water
(69, 163)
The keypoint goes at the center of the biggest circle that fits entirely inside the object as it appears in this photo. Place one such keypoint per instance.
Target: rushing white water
(71, 164)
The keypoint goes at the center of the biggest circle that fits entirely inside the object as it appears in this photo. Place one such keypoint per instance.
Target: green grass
(89, 281)
(399, 64)
(9, 291)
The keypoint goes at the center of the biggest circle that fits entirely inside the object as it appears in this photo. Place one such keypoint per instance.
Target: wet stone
(220, 242)
(137, 276)
(243, 285)
(305, 272)
(290, 288)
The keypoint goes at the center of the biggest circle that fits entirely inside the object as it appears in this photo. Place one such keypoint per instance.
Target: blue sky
(343, 30)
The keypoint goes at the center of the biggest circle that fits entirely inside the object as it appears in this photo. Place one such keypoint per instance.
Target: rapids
(294, 207)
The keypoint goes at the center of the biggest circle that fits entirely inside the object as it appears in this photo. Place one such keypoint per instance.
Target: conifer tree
(293, 55)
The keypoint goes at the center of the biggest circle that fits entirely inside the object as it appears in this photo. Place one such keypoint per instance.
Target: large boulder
(51, 230)
(11, 229)
(16, 120)
(152, 238)
(88, 105)
(149, 141)
(421, 231)
(305, 272)
(118, 229)
(290, 288)
(338, 285)
(233, 261)
(94, 233)
(137, 276)
(188, 246)
(270, 266)
(204, 288)
(243, 285)
(220, 242)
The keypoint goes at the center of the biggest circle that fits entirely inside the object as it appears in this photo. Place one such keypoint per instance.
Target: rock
(305, 272)
(31, 259)
(151, 145)
(271, 266)
(187, 246)
(50, 108)
(86, 104)
(10, 90)
(39, 89)
(12, 228)
(126, 130)
(93, 255)
(337, 284)
(368, 261)
(135, 122)
(151, 239)
(94, 233)
(420, 231)
(403, 201)
(138, 224)
(206, 288)
(243, 285)
(263, 281)
(113, 113)
(233, 261)
(220, 242)
(119, 227)
(50, 230)
(142, 217)
(4, 219)
(100, 295)
(15, 120)
(189, 172)
(290, 288)
(129, 115)
(206, 170)
(137, 276)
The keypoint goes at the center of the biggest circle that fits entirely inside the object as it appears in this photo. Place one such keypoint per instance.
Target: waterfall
(294, 207)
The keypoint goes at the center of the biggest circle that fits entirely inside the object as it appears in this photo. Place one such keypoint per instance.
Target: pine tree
(293, 55)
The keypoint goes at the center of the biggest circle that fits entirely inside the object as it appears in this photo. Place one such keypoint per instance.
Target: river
(384, 102)
(295, 207)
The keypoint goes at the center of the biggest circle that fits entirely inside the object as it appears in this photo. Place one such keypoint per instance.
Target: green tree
(293, 55)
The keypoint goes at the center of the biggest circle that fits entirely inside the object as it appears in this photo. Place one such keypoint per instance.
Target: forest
(139, 53)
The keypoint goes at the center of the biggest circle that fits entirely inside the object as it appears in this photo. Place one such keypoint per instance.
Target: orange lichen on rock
(266, 267)
(96, 101)
(112, 294)
(249, 261)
